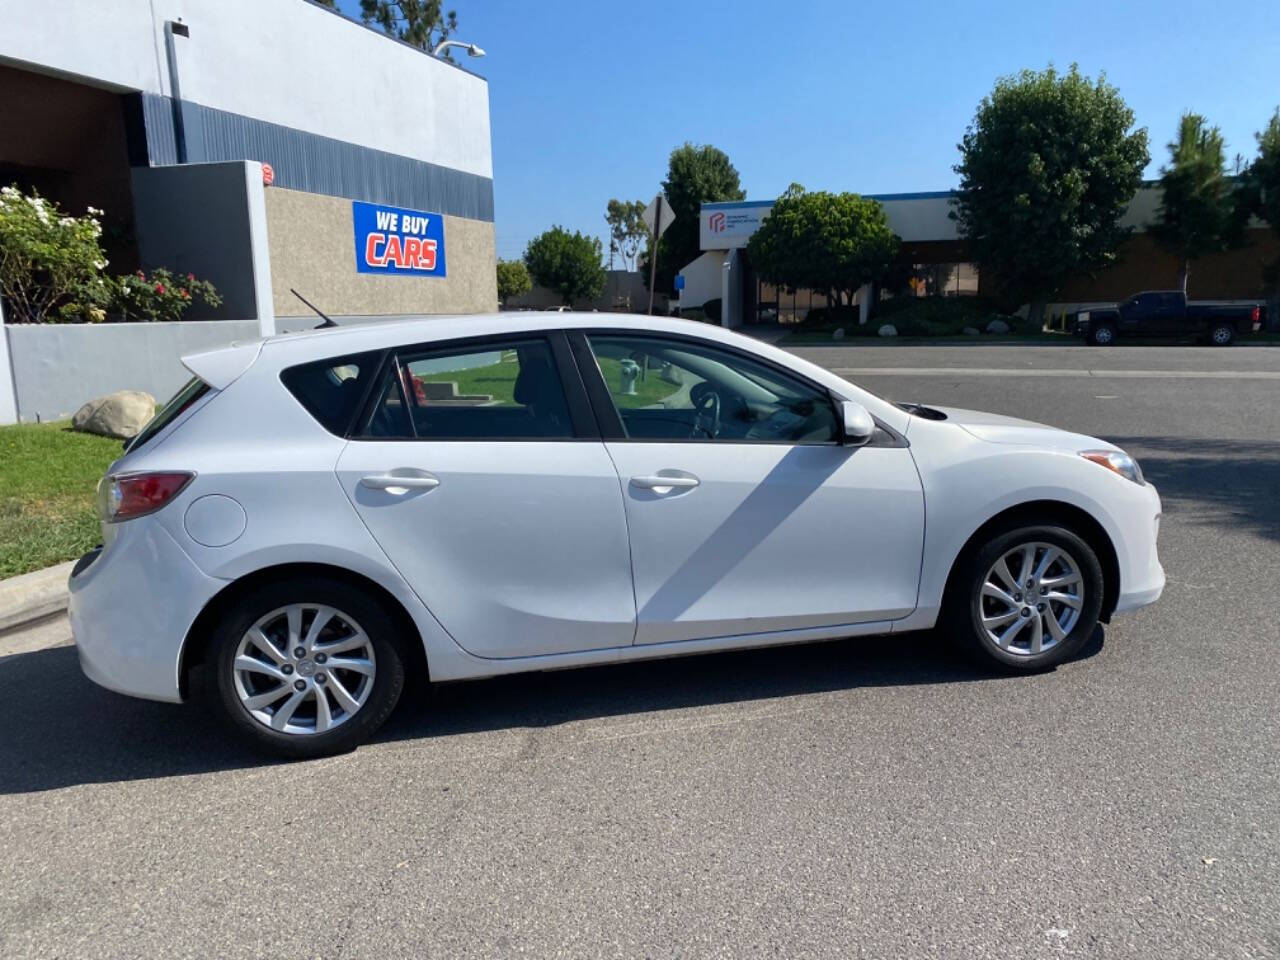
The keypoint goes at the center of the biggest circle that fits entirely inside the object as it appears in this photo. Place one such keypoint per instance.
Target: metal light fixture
(471, 48)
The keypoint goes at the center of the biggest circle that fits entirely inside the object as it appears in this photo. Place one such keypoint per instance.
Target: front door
(746, 515)
(477, 475)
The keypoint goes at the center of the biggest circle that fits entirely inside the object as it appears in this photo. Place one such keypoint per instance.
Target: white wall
(283, 61)
(921, 218)
(111, 43)
(703, 279)
(57, 367)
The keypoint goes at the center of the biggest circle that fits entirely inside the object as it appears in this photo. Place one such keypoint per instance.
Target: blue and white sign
(393, 240)
(679, 281)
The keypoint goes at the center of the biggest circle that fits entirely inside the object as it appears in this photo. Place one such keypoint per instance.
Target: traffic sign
(659, 211)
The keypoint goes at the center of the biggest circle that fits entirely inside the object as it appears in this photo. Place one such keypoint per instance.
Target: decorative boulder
(972, 332)
(838, 334)
(997, 326)
(121, 414)
(888, 330)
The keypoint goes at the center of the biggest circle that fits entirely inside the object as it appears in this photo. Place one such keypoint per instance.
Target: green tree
(513, 279)
(1197, 196)
(1260, 196)
(628, 235)
(568, 263)
(695, 175)
(419, 23)
(834, 242)
(1047, 168)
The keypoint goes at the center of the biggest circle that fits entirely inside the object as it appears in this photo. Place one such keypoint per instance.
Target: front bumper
(1141, 575)
(131, 607)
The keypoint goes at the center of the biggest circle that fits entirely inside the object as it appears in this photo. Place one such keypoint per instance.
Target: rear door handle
(392, 483)
(660, 484)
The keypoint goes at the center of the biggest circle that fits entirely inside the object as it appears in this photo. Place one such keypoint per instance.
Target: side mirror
(856, 424)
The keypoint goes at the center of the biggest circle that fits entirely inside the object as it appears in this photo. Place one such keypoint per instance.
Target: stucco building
(261, 145)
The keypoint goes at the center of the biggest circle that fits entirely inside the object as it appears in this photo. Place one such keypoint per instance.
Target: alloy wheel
(1102, 335)
(1222, 336)
(304, 669)
(1030, 599)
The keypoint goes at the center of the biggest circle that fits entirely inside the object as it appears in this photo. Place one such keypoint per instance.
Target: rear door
(481, 473)
(746, 514)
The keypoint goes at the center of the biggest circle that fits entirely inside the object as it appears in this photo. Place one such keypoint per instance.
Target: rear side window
(331, 390)
(499, 391)
(191, 391)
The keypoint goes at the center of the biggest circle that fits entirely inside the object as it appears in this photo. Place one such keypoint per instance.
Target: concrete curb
(34, 596)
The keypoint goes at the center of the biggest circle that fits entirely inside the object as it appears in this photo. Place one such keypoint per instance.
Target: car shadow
(62, 730)
(1222, 482)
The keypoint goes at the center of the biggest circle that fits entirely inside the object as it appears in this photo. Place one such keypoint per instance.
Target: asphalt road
(863, 798)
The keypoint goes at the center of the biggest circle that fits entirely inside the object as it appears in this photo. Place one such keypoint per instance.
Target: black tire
(1102, 334)
(962, 610)
(1222, 335)
(389, 655)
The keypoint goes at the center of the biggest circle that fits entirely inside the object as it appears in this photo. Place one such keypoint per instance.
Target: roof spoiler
(220, 368)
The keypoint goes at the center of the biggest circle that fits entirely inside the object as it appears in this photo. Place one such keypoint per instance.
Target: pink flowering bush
(161, 295)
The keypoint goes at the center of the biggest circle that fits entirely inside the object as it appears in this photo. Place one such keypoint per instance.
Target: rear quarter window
(191, 391)
(331, 390)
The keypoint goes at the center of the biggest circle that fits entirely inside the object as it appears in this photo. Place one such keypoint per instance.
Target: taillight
(136, 494)
(1256, 317)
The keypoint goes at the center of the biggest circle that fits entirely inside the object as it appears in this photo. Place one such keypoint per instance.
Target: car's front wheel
(1102, 334)
(1028, 598)
(306, 667)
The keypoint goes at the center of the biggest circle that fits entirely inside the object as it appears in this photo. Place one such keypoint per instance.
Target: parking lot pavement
(875, 798)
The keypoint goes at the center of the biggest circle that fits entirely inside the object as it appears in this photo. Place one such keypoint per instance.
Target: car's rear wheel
(1102, 335)
(1222, 334)
(306, 667)
(1028, 598)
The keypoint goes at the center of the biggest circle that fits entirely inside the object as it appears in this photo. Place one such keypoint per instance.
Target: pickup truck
(1168, 313)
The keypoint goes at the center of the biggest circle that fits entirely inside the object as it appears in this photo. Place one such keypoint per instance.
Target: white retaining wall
(57, 367)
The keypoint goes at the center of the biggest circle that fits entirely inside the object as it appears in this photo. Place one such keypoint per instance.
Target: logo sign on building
(393, 240)
(731, 225)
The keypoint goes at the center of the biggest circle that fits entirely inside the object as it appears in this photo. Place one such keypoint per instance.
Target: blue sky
(587, 99)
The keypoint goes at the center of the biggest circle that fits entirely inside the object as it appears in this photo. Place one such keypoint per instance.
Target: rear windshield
(191, 391)
(331, 389)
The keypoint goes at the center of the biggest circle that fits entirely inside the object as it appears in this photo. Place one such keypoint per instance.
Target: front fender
(967, 482)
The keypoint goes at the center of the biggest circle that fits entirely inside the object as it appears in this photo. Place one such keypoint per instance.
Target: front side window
(679, 390)
(498, 391)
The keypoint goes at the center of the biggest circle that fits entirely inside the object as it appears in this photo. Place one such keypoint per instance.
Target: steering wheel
(706, 411)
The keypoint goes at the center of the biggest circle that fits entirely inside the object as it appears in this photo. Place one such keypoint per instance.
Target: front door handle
(660, 484)
(393, 483)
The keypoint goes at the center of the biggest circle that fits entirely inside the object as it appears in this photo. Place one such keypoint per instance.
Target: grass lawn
(650, 389)
(48, 475)
(498, 381)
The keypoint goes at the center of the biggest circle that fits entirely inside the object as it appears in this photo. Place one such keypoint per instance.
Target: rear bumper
(131, 607)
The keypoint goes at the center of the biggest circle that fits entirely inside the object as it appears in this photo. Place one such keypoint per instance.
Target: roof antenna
(328, 320)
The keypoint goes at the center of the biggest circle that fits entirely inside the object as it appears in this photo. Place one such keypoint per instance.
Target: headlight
(1117, 461)
(1083, 316)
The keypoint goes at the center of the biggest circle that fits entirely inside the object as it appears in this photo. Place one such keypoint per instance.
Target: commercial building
(932, 246)
(261, 144)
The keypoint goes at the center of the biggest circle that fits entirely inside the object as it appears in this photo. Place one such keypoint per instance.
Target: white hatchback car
(314, 515)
